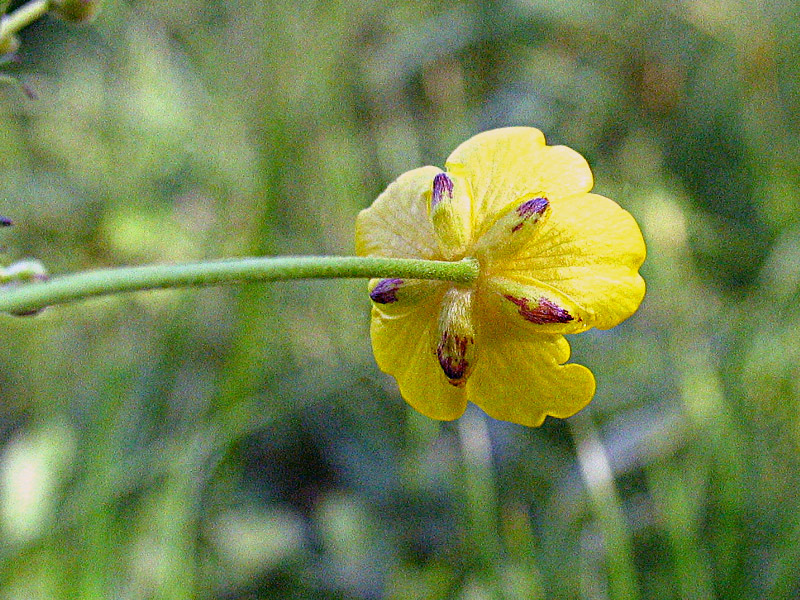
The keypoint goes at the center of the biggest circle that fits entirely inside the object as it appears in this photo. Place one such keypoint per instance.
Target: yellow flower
(554, 259)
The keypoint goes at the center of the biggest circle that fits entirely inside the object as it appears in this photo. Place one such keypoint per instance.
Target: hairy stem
(28, 297)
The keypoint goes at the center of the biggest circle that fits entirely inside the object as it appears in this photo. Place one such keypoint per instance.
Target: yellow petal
(513, 164)
(404, 341)
(590, 250)
(397, 223)
(522, 378)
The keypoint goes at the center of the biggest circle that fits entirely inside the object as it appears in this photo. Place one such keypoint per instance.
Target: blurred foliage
(240, 443)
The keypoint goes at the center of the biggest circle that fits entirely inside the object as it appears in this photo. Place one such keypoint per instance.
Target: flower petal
(397, 223)
(590, 250)
(513, 164)
(404, 341)
(522, 378)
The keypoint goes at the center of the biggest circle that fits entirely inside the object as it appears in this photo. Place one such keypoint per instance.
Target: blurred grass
(241, 443)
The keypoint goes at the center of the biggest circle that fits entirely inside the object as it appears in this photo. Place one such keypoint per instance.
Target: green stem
(79, 286)
(23, 16)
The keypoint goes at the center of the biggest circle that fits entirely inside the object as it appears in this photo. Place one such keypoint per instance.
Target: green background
(240, 443)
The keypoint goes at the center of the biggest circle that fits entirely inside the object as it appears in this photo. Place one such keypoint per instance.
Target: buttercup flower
(554, 259)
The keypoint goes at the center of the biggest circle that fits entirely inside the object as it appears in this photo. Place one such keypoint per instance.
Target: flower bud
(21, 273)
(451, 215)
(396, 291)
(513, 229)
(530, 302)
(456, 344)
(76, 11)
(9, 44)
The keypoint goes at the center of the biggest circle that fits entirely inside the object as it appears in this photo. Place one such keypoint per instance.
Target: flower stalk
(22, 299)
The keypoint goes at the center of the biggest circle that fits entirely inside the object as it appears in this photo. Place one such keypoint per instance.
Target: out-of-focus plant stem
(607, 508)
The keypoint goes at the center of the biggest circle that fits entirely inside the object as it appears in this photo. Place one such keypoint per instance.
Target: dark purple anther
(386, 291)
(442, 184)
(534, 207)
(542, 313)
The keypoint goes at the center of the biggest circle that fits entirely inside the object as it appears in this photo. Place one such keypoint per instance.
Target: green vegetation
(239, 442)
